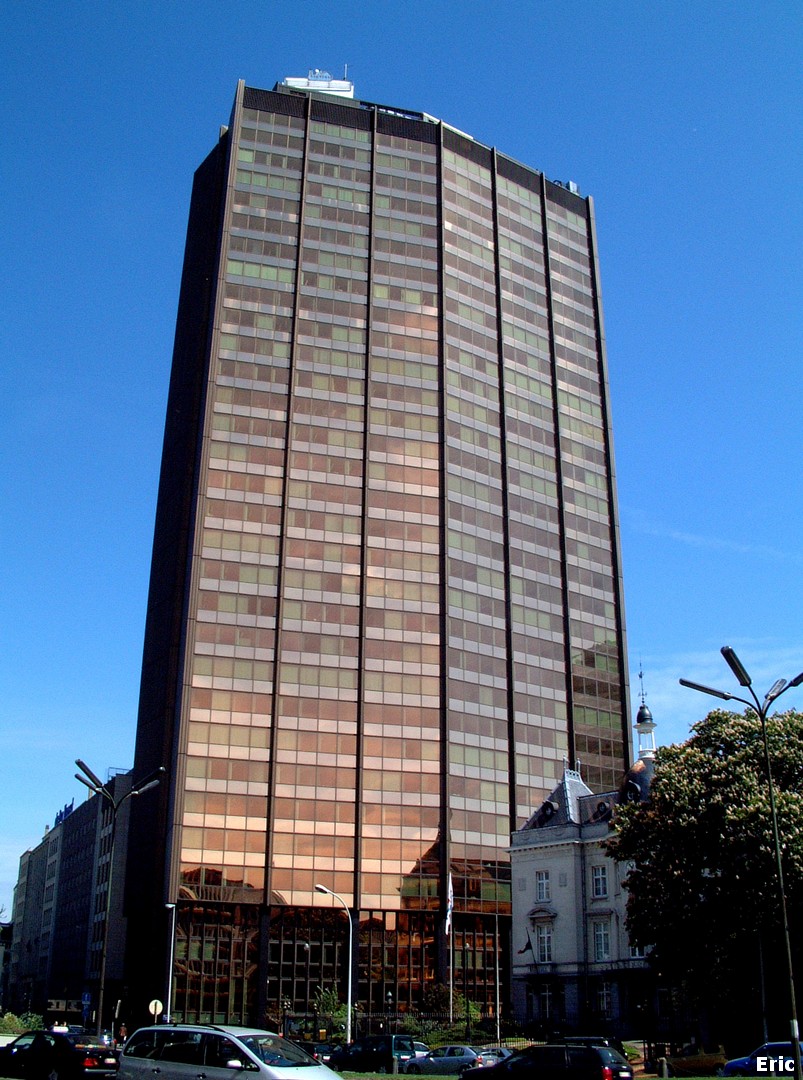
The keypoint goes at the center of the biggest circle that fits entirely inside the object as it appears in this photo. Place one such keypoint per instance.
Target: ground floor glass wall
(246, 963)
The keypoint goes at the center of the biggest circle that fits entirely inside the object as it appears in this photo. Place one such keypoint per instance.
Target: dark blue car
(770, 1059)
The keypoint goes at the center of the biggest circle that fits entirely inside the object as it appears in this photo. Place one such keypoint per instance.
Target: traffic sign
(155, 1007)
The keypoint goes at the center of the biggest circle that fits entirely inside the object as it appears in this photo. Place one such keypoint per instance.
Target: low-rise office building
(59, 913)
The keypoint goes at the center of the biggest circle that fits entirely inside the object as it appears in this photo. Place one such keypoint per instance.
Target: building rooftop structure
(321, 82)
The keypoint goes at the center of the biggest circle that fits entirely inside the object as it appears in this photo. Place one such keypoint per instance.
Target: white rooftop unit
(321, 81)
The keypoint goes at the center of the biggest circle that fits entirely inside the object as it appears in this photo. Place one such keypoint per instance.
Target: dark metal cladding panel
(268, 101)
(333, 112)
(518, 174)
(402, 128)
(467, 148)
(567, 199)
(168, 596)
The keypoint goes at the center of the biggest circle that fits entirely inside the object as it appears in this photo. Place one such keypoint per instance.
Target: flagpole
(451, 980)
(450, 935)
(496, 974)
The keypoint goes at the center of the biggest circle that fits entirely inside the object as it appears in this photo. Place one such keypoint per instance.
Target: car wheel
(415, 1069)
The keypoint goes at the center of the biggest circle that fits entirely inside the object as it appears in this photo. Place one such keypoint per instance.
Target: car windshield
(274, 1050)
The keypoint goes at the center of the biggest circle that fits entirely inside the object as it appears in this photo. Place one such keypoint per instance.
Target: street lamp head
(92, 787)
(85, 769)
(775, 691)
(798, 679)
(706, 689)
(323, 889)
(146, 787)
(736, 666)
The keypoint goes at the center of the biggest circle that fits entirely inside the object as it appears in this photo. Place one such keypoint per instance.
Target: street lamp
(760, 709)
(323, 889)
(97, 787)
(171, 952)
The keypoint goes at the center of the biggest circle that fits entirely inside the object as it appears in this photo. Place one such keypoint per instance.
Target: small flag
(528, 947)
(449, 906)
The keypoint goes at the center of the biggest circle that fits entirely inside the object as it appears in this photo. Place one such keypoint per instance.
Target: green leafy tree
(703, 890)
(330, 1009)
(433, 1023)
(328, 1003)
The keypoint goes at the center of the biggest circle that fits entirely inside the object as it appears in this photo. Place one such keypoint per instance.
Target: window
(599, 881)
(542, 891)
(220, 1050)
(602, 940)
(605, 999)
(543, 944)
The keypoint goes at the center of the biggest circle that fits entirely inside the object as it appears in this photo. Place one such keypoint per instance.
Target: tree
(329, 1008)
(703, 884)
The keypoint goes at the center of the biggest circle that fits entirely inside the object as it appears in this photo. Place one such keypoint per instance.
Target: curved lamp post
(97, 787)
(760, 709)
(323, 889)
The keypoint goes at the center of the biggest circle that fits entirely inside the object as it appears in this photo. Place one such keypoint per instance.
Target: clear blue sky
(682, 119)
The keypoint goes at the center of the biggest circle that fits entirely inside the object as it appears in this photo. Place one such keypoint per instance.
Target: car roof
(230, 1029)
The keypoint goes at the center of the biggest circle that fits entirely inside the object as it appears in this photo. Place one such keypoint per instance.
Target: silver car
(446, 1059)
(491, 1055)
(218, 1052)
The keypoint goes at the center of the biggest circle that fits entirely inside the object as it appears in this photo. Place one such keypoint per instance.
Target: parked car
(444, 1060)
(596, 1040)
(697, 1063)
(374, 1053)
(556, 1062)
(769, 1052)
(492, 1054)
(322, 1051)
(55, 1055)
(181, 1051)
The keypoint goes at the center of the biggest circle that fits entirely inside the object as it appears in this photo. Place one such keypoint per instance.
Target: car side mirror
(236, 1063)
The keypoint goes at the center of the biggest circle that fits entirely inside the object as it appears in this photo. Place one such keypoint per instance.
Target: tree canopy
(703, 890)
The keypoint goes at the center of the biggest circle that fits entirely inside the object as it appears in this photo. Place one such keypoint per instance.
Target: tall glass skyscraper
(385, 604)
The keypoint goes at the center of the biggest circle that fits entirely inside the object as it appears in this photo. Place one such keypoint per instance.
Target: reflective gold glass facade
(385, 604)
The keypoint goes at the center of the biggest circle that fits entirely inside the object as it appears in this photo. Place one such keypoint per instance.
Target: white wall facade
(573, 970)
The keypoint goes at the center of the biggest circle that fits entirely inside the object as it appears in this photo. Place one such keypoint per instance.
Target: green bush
(10, 1024)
